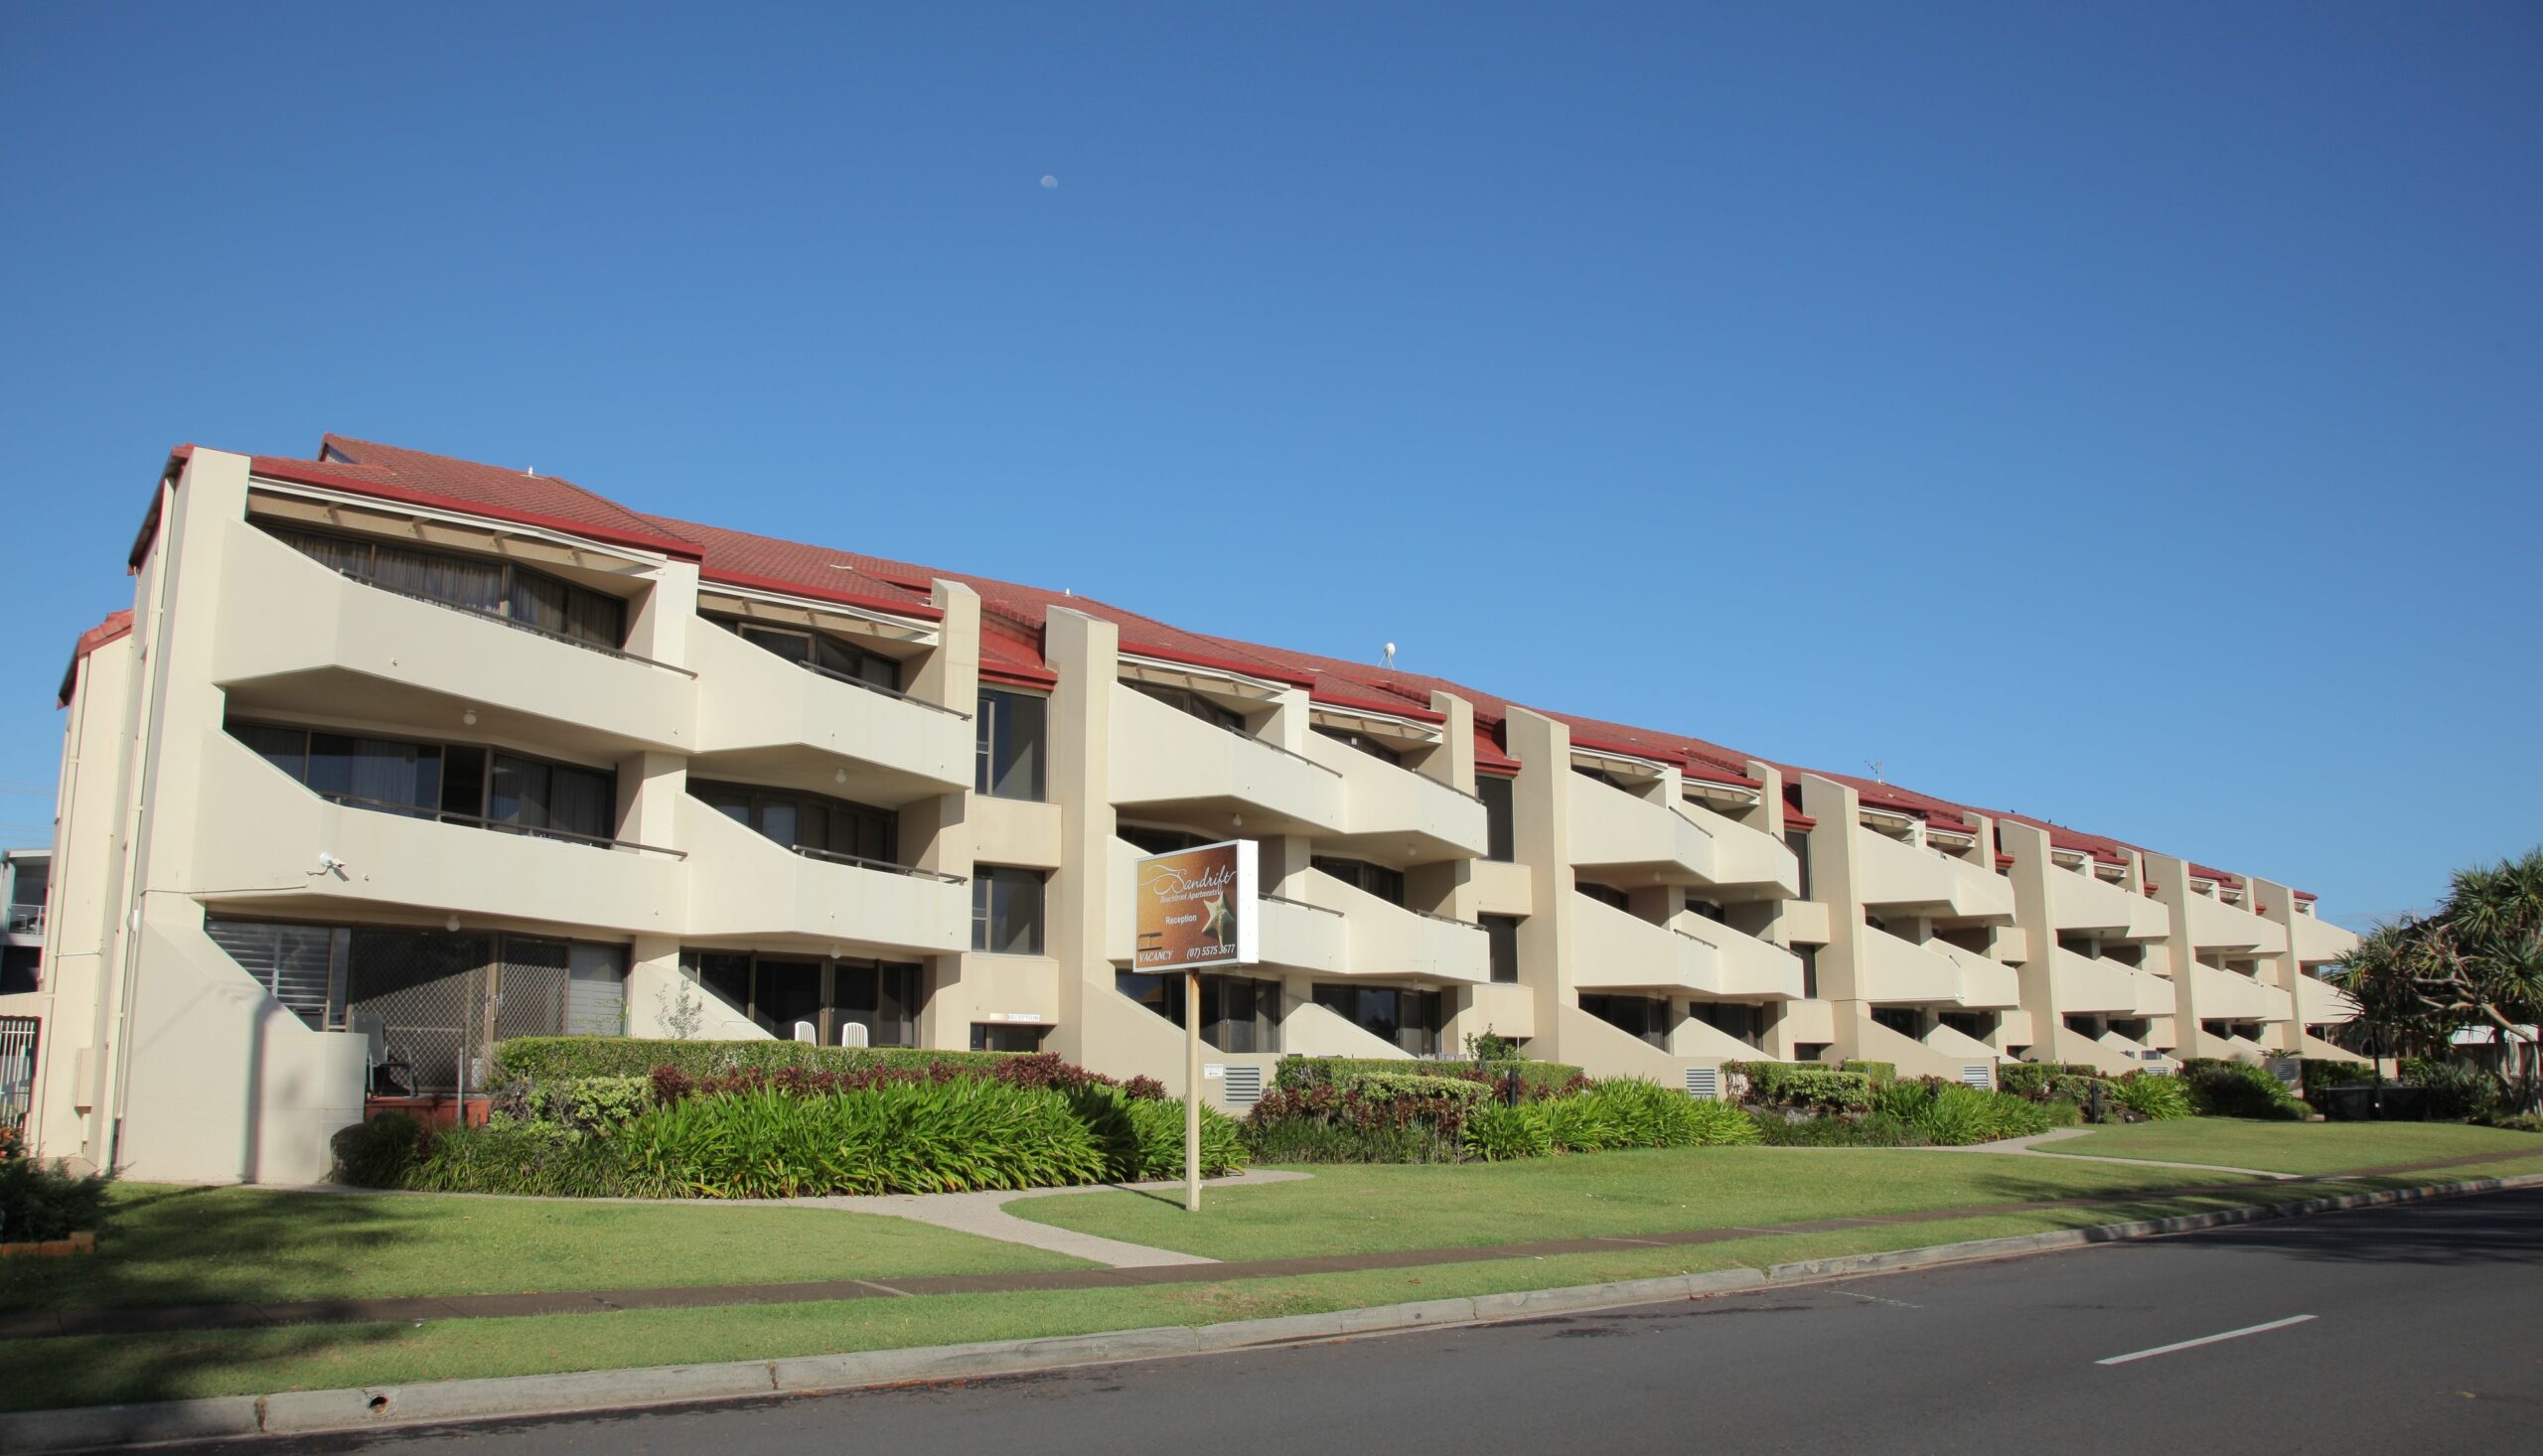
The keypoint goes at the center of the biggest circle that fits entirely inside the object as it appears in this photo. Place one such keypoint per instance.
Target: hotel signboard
(1196, 908)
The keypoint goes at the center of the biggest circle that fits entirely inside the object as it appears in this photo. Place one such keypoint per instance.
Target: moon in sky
(1049, 183)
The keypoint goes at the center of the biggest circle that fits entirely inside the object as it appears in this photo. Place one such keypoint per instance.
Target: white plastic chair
(805, 1031)
(852, 1033)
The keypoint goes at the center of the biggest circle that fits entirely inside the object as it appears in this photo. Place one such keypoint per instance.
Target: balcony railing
(500, 826)
(1302, 904)
(26, 919)
(891, 692)
(506, 620)
(835, 856)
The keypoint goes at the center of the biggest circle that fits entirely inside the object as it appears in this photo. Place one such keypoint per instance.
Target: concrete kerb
(434, 1402)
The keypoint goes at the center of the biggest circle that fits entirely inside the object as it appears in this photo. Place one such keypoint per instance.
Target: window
(833, 827)
(1011, 728)
(529, 598)
(1410, 1019)
(1607, 895)
(1006, 1036)
(1501, 931)
(2078, 945)
(828, 655)
(1185, 701)
(456, 782)
(1500, 834)
(1006, 911)
(1237, 1014)
(1737, 1019)
(1640, 1016)
(1799, 841)
(1160, 841)
(1375, 879)
(1901, 1019)
(1809, 971)
(437, 1001)
(779, 992)
(1374, 747)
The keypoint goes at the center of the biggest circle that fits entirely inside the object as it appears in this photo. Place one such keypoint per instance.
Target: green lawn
(2296, 1148)
(183, 1245)
(1359, 1208)
(86, 1370)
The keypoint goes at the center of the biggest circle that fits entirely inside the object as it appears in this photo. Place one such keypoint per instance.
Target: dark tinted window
(1502, 931)
(1500, 837)
(1007, 910)
(1009, 731)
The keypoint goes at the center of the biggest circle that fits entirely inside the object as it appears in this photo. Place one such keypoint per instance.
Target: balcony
(2319, 1003)
(2088, 984)
(743, 882)
(2082, 902)
(2225, 996)
(2319, 942)
(1176, 767)
(759, 714)
(1387, 940)
(1634, 843)
(294, 637)
(1986, 984)
(2217, 925)
(1893, 970)
(1901, 877)
(26, 919)
(255, 828)
(1616, 950)
(1392, 813)
(2156, 994)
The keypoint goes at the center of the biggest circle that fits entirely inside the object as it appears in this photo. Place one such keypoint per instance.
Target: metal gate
(17, 1070)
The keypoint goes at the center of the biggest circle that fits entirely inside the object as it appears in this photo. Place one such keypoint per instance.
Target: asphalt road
(2425, 1334)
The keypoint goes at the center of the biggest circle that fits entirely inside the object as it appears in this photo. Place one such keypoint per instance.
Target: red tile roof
(117, 623)
(1012, 618)
(497, 491)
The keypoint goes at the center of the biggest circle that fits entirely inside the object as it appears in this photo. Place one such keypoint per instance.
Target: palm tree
(2476, 961)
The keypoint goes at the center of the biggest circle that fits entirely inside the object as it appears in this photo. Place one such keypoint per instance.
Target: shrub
(1142, 1137)
(2037, 1079)
(1720, 1124)
(1456, 1090)
(577, 1105)
(906, 1137)
(519, 1157)
(1803, 1086)
(1880, 1072)
(1367, 1124)
(2151, 1095)
(1647, 1114)
(1536, 1079)
(1877, 1129)
(1497, 1133)
(2064, 1113)
(1949, 1115)
(2455, 1089)
(41, 1201)
(541, 1061)
(2222, 1088)
(378, 1153)
(1582, 1125)
(2320, 1072)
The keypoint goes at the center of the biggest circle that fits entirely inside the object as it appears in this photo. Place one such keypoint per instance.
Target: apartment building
(396, 755)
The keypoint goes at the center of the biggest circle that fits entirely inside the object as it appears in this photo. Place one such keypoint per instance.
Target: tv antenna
(1876, 766)
(1390, 655)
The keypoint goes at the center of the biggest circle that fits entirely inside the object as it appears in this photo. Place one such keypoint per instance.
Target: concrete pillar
(2171, 879)
(2033, 912)
(1541, 824)
(1086, 654)
(935, 831)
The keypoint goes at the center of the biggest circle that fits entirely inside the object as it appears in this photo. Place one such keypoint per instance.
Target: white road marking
(2297, 1319)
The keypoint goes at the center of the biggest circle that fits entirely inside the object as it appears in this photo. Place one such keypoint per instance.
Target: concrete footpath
(377, 1408)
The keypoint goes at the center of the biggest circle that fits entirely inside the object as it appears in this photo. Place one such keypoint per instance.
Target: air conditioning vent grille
(1243, 1086)
(1704, 1081)
(1979, 1074)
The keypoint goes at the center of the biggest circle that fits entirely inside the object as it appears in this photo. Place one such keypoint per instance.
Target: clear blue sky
(2124, 413)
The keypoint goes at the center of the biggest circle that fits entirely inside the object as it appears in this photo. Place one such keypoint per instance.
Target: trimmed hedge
(1881, 1073)
(1536, 1079)
(1803, 1086)
(541, 1061)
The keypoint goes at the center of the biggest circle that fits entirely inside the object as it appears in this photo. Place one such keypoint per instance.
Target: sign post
(1196, 911)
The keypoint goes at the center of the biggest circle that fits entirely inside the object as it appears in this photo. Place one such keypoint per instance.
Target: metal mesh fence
(429, 994)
